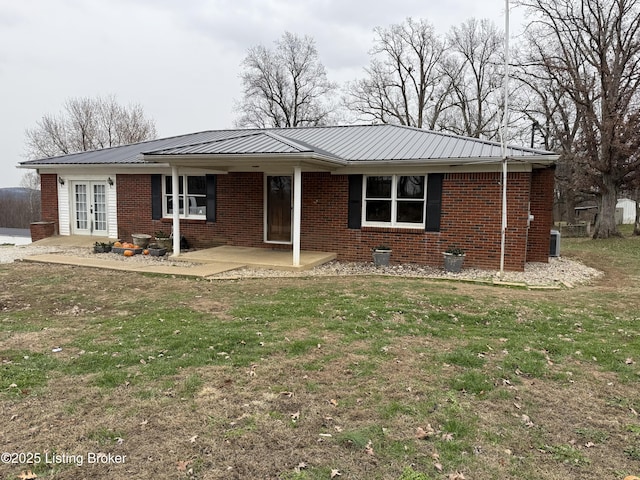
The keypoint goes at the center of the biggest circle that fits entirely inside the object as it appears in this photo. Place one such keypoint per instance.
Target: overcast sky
(179, 59)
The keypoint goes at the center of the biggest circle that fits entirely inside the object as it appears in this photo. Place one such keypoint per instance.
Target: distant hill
(19, 207)
(17, 192)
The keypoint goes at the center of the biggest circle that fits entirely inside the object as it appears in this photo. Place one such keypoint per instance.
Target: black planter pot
(453, 263)
(381, 257)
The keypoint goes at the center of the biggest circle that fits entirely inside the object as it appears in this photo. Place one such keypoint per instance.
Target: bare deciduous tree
(405, 81)
(286, 86)
(591, 49)
(475, 71)
(31, 183)
(553, 121)
(88, 124)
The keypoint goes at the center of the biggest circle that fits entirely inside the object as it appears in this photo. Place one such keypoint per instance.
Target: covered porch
(281, 161)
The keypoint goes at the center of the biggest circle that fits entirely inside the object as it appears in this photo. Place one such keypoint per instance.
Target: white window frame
(394, 202)
(184, 197)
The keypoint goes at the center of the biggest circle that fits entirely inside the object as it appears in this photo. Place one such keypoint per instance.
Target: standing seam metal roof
(347, 143)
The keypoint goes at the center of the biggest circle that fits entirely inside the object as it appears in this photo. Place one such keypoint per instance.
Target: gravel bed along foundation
(558, 272)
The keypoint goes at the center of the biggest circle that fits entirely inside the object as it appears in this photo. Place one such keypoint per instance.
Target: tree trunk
(570, 205)
(606, 222)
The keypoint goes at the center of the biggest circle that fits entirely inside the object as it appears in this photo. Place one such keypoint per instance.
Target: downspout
(175, 198)
(503, 235)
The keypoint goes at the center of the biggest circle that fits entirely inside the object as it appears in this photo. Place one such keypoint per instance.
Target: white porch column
(175, 196)
(297, 214)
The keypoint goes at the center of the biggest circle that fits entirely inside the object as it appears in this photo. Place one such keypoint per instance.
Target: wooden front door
(278, 209)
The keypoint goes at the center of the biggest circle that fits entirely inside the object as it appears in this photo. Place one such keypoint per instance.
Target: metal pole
(505, 125)
(297, 214)
(175, 196)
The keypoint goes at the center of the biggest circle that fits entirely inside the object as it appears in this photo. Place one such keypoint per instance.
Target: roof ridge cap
(253, 133)
(302, 146)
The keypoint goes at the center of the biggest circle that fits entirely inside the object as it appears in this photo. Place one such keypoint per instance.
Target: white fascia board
(405, 168)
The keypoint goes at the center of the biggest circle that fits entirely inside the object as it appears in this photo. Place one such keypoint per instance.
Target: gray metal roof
(352, 144)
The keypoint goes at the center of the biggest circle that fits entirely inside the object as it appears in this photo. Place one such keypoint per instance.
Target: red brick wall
(134, 205)
(49, 199)
(239, 214)
(40, 230)
(542, 184)
(471, 218)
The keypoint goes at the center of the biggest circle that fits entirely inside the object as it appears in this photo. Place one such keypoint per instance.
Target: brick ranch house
(339, 189)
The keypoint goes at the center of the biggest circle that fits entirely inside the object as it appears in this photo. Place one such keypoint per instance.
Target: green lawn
(371, 377)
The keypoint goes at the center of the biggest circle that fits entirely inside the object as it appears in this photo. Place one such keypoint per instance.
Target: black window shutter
(156, 197)
(355, 202)
(211, 197)
(434, 201)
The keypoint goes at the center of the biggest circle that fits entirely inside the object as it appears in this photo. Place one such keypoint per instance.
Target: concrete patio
(202, 263)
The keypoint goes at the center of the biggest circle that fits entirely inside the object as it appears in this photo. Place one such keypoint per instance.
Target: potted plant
(156, 250)
(102, 247)
(453, 259)
(381, 255)
(164, 240)
(141, 239)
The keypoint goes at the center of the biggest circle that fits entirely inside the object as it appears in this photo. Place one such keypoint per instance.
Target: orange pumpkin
(117, 244)
(145, 252)
(128, 253)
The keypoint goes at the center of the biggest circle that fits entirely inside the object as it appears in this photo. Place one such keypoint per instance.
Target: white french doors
(90, 208)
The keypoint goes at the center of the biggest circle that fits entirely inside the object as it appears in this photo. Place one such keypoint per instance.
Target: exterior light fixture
(61, 180)
(110, 181)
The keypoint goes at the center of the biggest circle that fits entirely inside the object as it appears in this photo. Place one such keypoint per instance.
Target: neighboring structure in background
(625, 211)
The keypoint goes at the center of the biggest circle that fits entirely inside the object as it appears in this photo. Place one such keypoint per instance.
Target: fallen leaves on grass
(422, 433)
(447, 437)
(456, 476)
(27, 475)
(335, 473)
(369, 448)
(527, 421)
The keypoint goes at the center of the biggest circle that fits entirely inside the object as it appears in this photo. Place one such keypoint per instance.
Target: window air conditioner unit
(554, 244)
